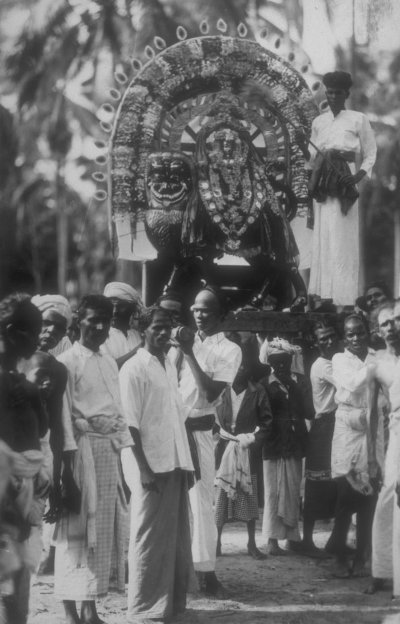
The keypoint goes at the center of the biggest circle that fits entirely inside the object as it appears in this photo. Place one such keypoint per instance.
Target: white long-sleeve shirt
(349, 131)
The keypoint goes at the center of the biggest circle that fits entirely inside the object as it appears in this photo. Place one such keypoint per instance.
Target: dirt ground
(280, 590)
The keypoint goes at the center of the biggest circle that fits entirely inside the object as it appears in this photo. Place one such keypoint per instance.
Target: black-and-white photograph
(199, 311)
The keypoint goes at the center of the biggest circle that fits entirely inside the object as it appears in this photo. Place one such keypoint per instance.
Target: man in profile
(210, 363)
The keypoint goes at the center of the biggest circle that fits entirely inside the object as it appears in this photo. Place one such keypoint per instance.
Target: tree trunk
(62, 232)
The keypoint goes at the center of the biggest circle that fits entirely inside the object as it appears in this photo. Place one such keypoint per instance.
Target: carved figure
(203, 171)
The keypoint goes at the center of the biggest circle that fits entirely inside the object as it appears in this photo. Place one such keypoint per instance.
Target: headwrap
(123, 291)
(338, 80)
(55, 303)
(276, 346)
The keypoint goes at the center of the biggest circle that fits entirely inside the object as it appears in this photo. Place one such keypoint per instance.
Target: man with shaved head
(210, 363)
(386, 526)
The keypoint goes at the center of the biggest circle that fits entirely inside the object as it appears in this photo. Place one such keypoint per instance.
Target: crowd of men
(136, 437)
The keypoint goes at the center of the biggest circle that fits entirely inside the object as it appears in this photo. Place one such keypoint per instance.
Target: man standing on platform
(347, 154)
(210, 362)
(160, 563)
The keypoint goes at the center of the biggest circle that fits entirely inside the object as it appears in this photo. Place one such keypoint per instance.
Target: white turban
(123, 291)
(55, 303)
(277, 345)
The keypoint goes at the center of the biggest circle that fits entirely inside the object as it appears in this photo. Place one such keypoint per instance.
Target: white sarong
(204, 530)
(282, 480)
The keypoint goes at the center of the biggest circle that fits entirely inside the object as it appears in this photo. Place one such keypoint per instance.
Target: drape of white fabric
(282, 481)
(335, 265)
(335, 261)
(303, 238)
(201, 496)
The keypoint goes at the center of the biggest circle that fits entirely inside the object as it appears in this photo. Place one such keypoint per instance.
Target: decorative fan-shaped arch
(165, 106)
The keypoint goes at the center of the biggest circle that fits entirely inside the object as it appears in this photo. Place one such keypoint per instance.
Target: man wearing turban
(347, 152)
(123, 341)
(56, 318)
(284, 446)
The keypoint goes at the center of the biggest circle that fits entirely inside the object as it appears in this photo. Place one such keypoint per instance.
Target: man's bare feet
(71, 614)
(254, 552)
(89, 613)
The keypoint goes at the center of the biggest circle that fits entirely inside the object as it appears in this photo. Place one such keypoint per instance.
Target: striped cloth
(86, 577)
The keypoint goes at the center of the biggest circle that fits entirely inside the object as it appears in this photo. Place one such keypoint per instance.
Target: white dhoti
(204, 530)
(282, 481)
(303, 237)
(160, 566)
(335, 260)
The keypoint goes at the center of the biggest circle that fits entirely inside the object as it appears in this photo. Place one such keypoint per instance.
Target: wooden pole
(144, 283)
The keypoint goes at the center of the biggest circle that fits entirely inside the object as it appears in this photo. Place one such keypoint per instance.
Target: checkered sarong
(243, 509)
(89, 579)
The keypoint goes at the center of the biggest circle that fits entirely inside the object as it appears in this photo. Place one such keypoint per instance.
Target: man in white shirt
(386, 526)
(92, 404)
(160, 560)
(123, 341)
(211, 362)
(320, 489)
(347, 142)
(352, 444)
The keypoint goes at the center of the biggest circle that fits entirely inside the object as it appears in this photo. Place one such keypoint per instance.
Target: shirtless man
(386, 526)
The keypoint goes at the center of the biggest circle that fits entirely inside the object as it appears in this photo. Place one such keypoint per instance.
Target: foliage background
(59, 59)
